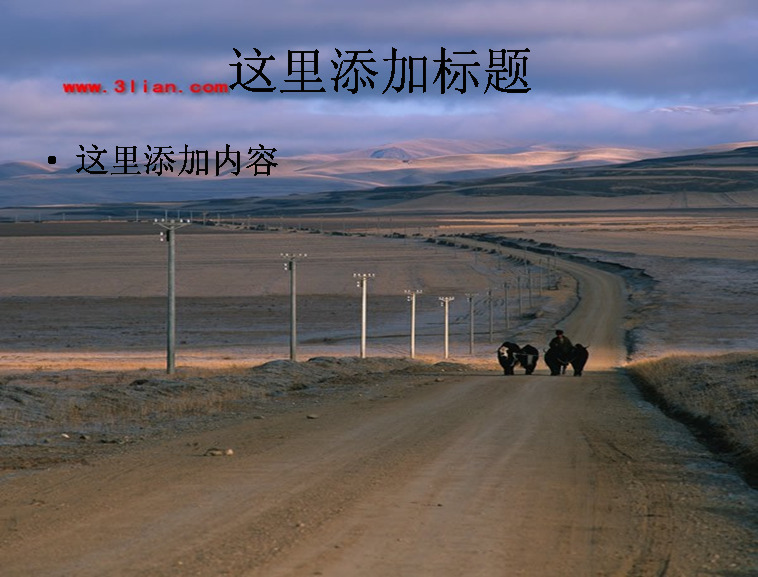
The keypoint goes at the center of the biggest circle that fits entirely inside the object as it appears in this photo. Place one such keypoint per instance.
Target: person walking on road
(561, 343)
(559, 353)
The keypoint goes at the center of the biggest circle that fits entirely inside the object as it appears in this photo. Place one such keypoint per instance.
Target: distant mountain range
(405, 163)
(394, 175)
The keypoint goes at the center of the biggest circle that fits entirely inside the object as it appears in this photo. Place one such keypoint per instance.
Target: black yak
(555, 361)
(579, 357)
(528, 357)
(506, 356)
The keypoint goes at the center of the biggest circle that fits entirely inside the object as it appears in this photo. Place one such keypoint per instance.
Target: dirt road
(473, 474)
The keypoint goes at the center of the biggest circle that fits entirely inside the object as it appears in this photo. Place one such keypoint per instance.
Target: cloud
(595, 69)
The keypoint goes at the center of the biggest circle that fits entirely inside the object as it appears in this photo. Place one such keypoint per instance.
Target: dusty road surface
(452, 475)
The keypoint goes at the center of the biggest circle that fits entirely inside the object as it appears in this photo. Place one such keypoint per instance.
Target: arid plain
(427, 468)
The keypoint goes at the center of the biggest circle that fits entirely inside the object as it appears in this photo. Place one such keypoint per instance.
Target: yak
(510, 354)
(555, 362)
(576, 357)
(507, 356)
(528, 357)
(579, 357)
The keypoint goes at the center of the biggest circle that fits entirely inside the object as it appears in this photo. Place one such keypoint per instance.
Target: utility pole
(170, 227)
(507, 304)
(539, 277)
(470, 298)
(412, 299)
(492, 312)
(362, 283)
(291, 265)
(529, 285)
(446, 303)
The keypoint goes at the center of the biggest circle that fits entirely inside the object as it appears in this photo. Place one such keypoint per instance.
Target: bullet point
(51, 160)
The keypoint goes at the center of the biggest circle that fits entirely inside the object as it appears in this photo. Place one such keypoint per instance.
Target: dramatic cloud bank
(630, 73)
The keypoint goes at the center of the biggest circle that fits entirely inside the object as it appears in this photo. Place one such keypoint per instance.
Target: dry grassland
(717, 395)
(84, 315)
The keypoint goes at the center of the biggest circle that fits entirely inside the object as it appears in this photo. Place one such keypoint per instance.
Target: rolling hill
(407, 163)
(400, 179)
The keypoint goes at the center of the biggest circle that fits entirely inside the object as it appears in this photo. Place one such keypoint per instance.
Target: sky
(668, 75)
